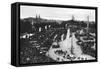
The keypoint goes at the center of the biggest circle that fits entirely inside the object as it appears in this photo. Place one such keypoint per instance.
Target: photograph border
(18, 4)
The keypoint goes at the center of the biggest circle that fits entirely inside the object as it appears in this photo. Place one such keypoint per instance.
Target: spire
(88, 18)
(87, 23)
(36, 16)
(73, 18)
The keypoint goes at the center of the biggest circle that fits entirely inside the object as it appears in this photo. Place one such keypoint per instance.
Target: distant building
(38, 18)
(73, 18)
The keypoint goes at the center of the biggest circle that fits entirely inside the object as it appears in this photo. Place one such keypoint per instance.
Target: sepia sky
(57, 13)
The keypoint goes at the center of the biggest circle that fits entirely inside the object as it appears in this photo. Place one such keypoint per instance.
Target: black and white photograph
(49, 34)
(57, 34)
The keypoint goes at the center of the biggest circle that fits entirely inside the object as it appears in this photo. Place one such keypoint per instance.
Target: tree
(25, 26)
